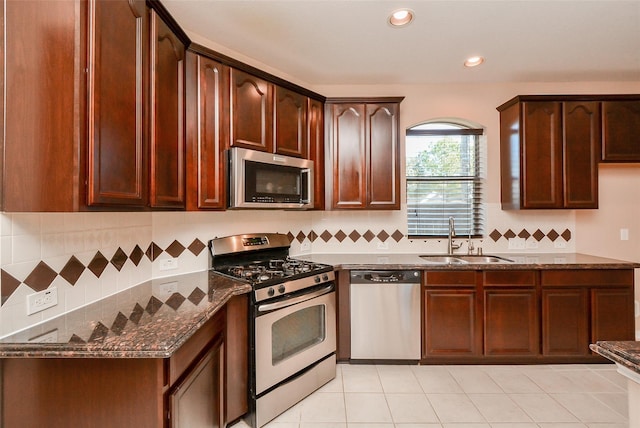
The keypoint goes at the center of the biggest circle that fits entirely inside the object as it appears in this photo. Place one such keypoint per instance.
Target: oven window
(296, 332)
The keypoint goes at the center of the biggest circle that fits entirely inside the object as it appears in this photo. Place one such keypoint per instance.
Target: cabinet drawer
(509, 278)
(589, 277)
(450, 279)
(187, 354)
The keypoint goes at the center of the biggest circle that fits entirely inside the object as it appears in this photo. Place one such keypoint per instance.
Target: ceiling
(328, 42)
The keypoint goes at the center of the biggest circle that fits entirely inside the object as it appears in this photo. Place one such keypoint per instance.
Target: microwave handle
(307, 187)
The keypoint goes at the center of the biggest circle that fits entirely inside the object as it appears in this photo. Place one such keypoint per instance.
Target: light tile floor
(532, 396)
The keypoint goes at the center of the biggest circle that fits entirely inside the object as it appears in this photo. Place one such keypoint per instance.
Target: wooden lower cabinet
(612, 313)
(565, 327)
(191, 388)
(452, 324)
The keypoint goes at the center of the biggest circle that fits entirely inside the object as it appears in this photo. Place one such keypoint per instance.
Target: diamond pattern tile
(98, 264)
(354, 236)
(509, 234)
(41, 277)
(8, 284)
(552, 235)
(136, 314)
(175, 249)
(136, 255)
(397, 236)
(383, 236)
(300, 237)
(312, 236)
(495, 235)
(340, 236)
(325, 236)
(291, 237)
(566, 235)
(119, 323)
(369, 235)
(72, 270)
(153, 305)
(196, 247)
(153, 251)
(119, 259)
(99, 333)
(538, 235)
(524, 234)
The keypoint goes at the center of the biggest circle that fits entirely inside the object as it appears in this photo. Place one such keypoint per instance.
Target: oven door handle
(295, 300)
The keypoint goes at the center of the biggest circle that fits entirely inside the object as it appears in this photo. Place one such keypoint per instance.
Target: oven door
(292, 334)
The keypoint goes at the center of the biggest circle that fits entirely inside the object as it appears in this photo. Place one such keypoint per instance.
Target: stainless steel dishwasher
(385, 315)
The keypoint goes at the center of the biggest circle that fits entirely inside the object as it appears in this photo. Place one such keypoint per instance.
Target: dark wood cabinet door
(236, 350)
(315, 138)
(383, 191)
(581, 129)
(542, 155)
(348, 147)
(167, 179)
(612, 315)
(207, 132)
(118, 64)
(451, 324)
(41, 148)
(565, 321)
(251, 112)
(621, 131)
(290, 123)
(511, 322)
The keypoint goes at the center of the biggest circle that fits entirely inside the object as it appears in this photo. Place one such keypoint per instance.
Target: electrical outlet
(559, 243)
(383, 245)
(168, 264)
(624, 234)
(531, 244)
(517, 243)
(42, 300)
(305, 246)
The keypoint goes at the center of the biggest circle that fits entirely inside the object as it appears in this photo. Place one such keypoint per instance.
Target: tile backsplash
(89, 256)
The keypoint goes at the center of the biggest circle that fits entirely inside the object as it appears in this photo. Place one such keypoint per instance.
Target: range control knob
(317, 279)
(281, 289)
(325, 277)
(271, 292)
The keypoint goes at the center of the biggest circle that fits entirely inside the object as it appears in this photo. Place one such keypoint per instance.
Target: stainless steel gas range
(292, 325)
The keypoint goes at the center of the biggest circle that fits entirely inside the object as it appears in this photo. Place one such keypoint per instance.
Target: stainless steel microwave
(268, 180)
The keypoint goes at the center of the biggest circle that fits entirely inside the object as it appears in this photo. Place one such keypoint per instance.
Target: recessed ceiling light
(473, 61)
(401, 17)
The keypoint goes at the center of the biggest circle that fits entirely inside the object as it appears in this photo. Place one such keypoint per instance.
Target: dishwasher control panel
(376, 276)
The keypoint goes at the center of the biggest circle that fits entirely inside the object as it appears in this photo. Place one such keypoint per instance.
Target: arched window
(444, 180)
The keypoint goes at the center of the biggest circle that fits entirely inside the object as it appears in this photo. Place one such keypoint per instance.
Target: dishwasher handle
(385, 276)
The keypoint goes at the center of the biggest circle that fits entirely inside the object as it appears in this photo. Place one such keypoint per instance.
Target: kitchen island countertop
(151, 320)
(519, 261)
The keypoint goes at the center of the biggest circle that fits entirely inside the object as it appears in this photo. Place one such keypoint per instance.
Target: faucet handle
(470, 247)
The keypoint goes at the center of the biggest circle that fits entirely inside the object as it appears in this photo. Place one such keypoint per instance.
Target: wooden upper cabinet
(118, 76)
(363, 145)
(315, 138)
(42, 148)
(549, 153)
(581, 147)
(383, 158)
(348, 151)
(290, 123)
(621, 131)
(167, 117)
(251, 112)
(207, 132)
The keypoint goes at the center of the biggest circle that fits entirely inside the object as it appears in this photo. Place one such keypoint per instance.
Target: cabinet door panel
(251, 112)
(565, 321)
(118, 34)
(290, 122)
(207, 132)
(511, 322)
(384, 165)
(612, 314)
(167, 117)
(621, 131)
(581, 128)
(542, 155)
(349, 159)
(451, 325)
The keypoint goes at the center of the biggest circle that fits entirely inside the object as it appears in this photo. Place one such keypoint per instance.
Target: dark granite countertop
(626, 353)
(352, 261)
(150, 320)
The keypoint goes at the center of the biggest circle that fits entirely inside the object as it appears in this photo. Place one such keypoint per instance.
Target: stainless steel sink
(464, 259)
(484, 259)
(450, 260)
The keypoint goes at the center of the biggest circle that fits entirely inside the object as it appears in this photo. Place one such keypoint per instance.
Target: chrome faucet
(452, 234)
